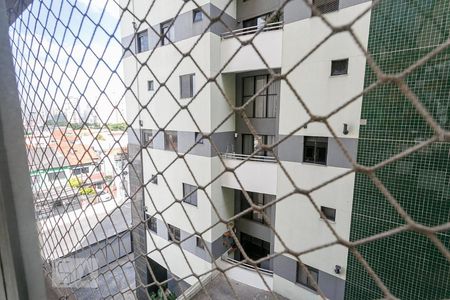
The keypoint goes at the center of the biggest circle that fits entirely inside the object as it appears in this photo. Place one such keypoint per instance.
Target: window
(255, 248)
(190, 194)
(330, 213)
(326, 6)
(258, 199)
(152, 223)
(199, 242)
(147, 136)
(303, 278)
(142, 41)
(265, 104)
(56, 176)
(83, 170)
(198, 138)
(259, 21)
(197, 15)
(251, 143)
(150, 85)
(339, 67)
(187, 86)
(154, 179)
(174, 233)
(170, 140)
(315, 150)
(166, 33)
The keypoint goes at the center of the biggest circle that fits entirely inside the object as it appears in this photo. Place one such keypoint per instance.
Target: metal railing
(248, 157)
(253, 29)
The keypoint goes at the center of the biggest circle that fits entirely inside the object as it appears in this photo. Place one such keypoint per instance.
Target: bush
(87, 191)
(75, 182)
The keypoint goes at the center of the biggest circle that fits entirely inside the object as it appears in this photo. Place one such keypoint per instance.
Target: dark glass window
(326, 6)
(267, 18)
(154, 179)
(190, 194)
(166, 32)
(199, 242)
(147, 136)
(150, 85)
(152, 223)
(255, 248)
(330, 213)
(251, 143)
(265, 104)
(170, 140)
(339, 67)
(174, 233)
(197, 15)
(303, 278)
(142, 41)
(315, 150)
(187, 86)
(258, 199)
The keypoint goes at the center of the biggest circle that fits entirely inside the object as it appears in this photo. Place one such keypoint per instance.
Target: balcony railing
(227, 258)
(248, 157)
(253, 29)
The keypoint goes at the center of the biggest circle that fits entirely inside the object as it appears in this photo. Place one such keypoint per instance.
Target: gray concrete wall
(291, 149)
(333, 287)
(216, 248)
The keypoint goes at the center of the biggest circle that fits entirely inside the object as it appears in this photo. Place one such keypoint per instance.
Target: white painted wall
(321, 92)
(292, 290)
(299, 224)
(178, 261)
(269, 45)
(254, 176)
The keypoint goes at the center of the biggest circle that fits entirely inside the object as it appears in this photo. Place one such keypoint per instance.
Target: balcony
(256, 173)
(268, 42)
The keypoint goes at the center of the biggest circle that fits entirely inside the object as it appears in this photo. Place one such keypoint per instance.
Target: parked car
(104, 196)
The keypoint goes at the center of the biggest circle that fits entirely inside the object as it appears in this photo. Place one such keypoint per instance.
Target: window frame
(190, 93)
(190, 194)
(266, 94)
(255, 199)
(265, 140)
(166, 36)
(175, 232)
(335, 61)
(145, 134)
(199, 242)
(150, 85)
(167, 145)
(195, 13)
(321, 8)
(152, 221)
(199, 138)
(140, 37)
(316, 140)
(307, 283)
(331, 218)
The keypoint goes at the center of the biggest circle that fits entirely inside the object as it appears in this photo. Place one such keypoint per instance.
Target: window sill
(314, 164)
(329, 221)
(339, 75)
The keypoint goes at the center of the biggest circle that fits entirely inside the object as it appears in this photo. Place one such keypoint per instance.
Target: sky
(69, 49)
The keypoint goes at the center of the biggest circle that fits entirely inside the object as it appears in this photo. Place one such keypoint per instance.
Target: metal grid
(46, 46)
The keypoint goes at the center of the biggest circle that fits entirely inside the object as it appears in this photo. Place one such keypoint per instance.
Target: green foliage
(75, 182)
(159, 295)
(117, 126)
(87, 191)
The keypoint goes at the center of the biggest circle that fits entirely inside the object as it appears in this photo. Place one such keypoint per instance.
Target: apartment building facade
(179, 181)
